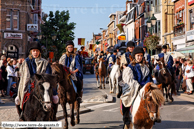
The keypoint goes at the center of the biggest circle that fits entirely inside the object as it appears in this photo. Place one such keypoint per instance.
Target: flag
(81, 41)
(91, 46)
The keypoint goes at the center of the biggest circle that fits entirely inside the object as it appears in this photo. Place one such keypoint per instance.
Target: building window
(191, 18)
(8, 19)
(166, 23)
(16, 20)
(157, 27)
(12, 19)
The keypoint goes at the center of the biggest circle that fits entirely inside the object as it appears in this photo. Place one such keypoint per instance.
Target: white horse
(113, 77)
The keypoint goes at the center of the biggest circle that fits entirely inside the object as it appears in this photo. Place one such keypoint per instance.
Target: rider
(125, 59)
(168, 60)
(33, 64)
(74, 63)
(112, 60)
(136, 75)
(83, 53)
(100, 56)
(118, 52)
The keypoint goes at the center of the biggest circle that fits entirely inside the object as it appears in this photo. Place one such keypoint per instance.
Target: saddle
(27, 95)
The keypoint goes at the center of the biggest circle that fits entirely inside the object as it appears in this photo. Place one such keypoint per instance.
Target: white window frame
(11, 20)
(18, 19)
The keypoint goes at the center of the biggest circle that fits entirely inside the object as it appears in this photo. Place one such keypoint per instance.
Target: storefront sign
(190, 37)
(121, 38)
(190, 2)
(32, 27)
(13, 35)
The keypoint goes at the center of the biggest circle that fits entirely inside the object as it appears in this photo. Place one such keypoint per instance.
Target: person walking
(10, 74)
(178, 74)
(4, 78)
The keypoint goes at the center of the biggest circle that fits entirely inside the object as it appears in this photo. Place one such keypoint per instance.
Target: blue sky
(90, 17)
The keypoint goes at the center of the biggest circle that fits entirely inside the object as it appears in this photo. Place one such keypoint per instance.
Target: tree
(58, 25)
(151, 42)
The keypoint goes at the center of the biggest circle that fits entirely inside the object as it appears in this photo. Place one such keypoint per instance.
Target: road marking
(100, 105)
(112, 110)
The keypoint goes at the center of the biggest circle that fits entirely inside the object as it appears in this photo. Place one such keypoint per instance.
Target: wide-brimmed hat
(137, 50)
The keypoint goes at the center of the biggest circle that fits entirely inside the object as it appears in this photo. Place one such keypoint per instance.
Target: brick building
(14, 17)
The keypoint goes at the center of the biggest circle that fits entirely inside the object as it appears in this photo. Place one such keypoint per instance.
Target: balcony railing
(179, 29)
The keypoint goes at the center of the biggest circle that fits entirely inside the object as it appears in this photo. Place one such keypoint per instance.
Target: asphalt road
(176, 115)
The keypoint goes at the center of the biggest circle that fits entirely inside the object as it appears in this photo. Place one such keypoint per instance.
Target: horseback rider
(118, 52)
(125, 58)
(100, 56)
(112, 60)
(168, 60)
(32, 65)
(135, 76)
(74, 63)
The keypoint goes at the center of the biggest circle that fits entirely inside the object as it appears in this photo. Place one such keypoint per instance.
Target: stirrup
(21, 117)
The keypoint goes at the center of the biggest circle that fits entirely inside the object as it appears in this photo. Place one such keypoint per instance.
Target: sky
(89, 15)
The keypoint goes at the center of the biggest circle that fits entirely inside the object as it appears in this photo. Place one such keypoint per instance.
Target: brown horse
(67, 93)
(145, 109)
(101, 73)
(164, 77)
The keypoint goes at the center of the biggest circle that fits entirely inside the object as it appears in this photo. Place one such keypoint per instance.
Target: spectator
(16, 70)
(8, 59)
(178, 74)
(14, 90)
(10, 74)
(4, 78)
(184, 64)
(3, 57)
(188, 76)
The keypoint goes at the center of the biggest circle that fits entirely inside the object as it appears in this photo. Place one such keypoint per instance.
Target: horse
(67, 93)
(164, 77)
(145, 108)
(38, 106)
(101, 73)
(114, 77)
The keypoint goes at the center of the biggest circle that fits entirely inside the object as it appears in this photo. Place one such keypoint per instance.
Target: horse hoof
(104, 87)
(171, 100)
(72, 123)
(65, 127)
(77, 121)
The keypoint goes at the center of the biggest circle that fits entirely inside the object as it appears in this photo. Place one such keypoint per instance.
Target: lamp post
(151, 24)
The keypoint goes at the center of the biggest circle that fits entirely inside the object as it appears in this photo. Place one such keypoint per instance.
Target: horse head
(118, 60)
(44, 84)
(57, 69)
(153, 98)
(162, 66)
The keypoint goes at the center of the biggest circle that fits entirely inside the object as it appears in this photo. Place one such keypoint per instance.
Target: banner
(81, 41)
(91, 46)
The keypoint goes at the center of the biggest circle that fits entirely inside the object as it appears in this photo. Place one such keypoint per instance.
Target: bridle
(146, 105)
(162, 69)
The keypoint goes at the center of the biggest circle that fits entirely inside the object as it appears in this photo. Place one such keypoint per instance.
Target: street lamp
(151, 23)
(153, 20)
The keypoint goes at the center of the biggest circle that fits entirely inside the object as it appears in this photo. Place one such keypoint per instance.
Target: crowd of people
(9, 76)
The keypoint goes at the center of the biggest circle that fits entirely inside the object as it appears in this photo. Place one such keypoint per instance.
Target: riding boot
(55, 107)
(126, 116)
(20, 113)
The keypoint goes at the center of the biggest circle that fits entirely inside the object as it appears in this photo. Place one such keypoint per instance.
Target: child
(14, 90)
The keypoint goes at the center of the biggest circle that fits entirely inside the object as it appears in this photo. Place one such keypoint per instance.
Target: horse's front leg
(104, 82)
(100, 82)
(97, 80)
(72, 114)
(110, 85)
(63, 104)
(166, 93)
(117, 86)
(77, 121)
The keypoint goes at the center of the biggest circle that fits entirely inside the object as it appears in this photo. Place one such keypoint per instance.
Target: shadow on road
(174, 125)
(180, 103)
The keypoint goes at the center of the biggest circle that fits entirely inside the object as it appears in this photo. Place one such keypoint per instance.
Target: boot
(20, 113)
(55, 107)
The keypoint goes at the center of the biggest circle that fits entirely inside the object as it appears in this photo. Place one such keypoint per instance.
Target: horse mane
(157, 95)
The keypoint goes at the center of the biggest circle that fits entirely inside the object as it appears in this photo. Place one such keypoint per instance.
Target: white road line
(112, 110)
(100, 105)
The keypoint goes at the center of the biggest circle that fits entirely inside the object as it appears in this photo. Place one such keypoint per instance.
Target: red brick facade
(14, 17)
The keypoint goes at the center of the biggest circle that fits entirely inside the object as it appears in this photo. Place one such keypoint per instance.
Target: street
(176, 115)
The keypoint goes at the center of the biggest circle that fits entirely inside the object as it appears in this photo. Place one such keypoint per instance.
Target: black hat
(35, 45)
(164, 47)
(145, 47)
(102, 52)
(137, 50)
(117, 47)
(114, 51)
(130, 44)
(69, 43)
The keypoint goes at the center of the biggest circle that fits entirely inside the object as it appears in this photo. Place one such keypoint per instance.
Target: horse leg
(166, 93)
(117, 86)
(170, 96)
(100, 82)
(110, 85)
(97, 80)
(77, 121)
(72, 114)
(63, 104)
(104, 82)
(113, 85)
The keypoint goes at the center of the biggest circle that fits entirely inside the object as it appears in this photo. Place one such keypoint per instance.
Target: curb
(83, 110)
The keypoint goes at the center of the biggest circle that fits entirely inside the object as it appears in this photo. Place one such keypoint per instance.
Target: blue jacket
(169, 63)
(78, 65)
(149, 58)
(127, 57)
(113, 57)
(138, 75)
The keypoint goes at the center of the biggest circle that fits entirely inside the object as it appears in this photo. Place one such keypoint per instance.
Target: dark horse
(38, 106)
(67, 93)
(164, 77)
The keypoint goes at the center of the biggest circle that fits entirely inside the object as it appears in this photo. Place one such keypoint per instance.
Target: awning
(189, 49)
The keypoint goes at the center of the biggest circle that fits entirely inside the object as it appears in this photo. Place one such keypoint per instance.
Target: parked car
(88, 65)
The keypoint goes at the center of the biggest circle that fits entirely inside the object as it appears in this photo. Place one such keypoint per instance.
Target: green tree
(60, 26)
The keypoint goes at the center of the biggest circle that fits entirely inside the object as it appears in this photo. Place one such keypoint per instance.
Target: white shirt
(10, 71)
(191, 73)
